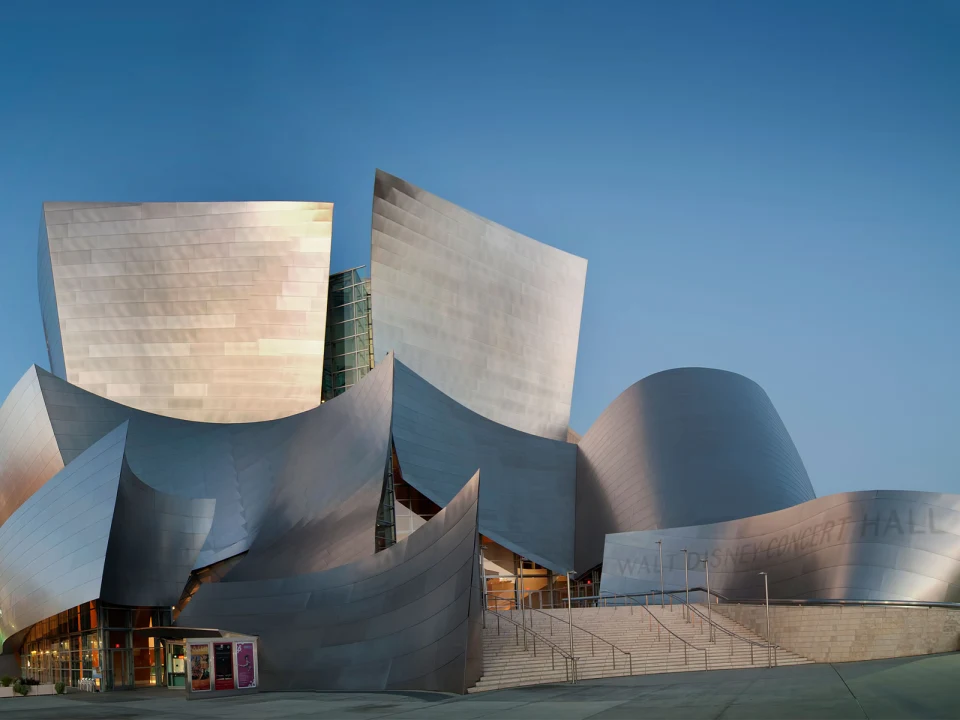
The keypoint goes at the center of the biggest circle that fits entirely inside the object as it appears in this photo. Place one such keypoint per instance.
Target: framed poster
(246, 674)
(223, 666)
(199, 667)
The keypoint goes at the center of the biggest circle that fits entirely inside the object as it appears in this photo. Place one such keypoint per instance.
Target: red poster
(223, 666)
(199, 667)
(245, 672)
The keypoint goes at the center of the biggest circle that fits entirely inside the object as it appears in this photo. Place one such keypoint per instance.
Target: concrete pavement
(923, 687)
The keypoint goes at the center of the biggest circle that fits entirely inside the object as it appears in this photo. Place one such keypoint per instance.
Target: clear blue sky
(766, 187)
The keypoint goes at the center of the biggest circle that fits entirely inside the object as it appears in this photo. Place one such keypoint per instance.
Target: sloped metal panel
(155, 539)
(683, 447)
(406, 618)
(29, 455)
(329, 478)
(55, 544)
(528, 481)
(486, 315)
(873, 545)
(318, 462)
(205, 311)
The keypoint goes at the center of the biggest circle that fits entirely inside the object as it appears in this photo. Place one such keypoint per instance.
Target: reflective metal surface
(874, 545)
(274, 470)
(529, 482)
(486, 315)
(205, 311)
(683, 447)
(94, 530)
(407, 618)
(29, 455)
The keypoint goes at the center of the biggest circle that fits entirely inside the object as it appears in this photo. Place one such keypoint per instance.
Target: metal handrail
(581, 629)
(717, 626)
(571, 660)
(670, 632)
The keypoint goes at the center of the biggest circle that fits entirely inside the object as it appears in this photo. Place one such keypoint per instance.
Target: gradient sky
(768, 188)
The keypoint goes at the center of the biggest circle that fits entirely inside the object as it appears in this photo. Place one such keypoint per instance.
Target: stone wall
(853, 632)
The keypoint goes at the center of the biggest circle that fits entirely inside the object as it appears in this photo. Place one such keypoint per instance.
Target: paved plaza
(925, 687)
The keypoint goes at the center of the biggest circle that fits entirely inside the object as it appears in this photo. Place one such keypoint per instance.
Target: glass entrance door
(176, 672)
(119, 675)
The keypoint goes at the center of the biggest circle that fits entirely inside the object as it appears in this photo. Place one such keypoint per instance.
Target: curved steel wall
(487, 315)
(94, 530)
(683, 447)
(528, 481)
(874, 545)
(269, 473)
(29, 455)
(206, 311)
(407, 618)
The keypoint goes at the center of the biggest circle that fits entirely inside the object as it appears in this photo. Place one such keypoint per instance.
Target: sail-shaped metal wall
(94, 530)
(683, 447)
(407, 618)
(486, 315)
(204, 311)
(528, 481)
(257, 472)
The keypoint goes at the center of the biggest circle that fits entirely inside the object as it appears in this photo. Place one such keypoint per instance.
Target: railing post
(630, 662)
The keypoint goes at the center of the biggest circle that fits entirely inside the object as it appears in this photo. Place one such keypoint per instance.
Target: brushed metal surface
(529, 482)
(486, 315)
(94, 530)
(407, 618)
(29, 455)
(296, 472)
(204, 311)
(870, 545)
(683, 447)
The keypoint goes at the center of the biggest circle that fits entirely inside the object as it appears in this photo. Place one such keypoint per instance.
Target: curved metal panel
(155, 539)
(29, 455)
(204, 311)
(875, 545)
(488, 316)
(406, 618)
(259, 473)
(329, 476)
(683, 447)
(55, 544)
(529, 482)
(48, 305)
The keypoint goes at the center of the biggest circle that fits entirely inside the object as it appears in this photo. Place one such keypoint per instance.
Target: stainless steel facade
(29, 455)
(683, 447)
(95, 531)
(297, 471)
(486, 315)
(529, 482)
(407, 618)
(873, 545)
(205, 311)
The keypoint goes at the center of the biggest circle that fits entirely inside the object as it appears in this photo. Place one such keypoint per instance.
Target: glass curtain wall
(347, 353)
(96, 642)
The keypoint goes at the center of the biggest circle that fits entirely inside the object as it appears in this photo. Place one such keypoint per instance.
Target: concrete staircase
(614, 641)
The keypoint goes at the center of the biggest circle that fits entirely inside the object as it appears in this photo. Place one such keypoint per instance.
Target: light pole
(483, 588)
(686, 585)
(660, 545)
(573, 665)
(706, 567)
(766, 595)
(523, 623)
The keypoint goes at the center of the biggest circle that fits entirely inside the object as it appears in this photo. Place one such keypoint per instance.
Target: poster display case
(221, 666)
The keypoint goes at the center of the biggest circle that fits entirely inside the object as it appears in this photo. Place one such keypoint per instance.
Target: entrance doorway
(119, 675)
(176, 670)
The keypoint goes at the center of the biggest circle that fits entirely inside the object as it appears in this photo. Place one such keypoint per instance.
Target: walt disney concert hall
(242, 471)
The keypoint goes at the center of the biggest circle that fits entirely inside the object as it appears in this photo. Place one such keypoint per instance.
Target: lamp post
(686, 585)
(766, 595)
(573, 665)
(660, 545)
(523, 623)
(706, 567)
